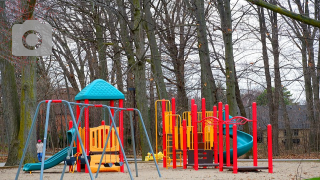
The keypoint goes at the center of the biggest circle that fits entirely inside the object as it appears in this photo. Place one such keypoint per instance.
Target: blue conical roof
(99, 90)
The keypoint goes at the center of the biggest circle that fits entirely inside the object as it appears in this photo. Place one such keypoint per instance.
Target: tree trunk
(226, 26)
(273, 117)
(149, 26)
(101, 47)
(139, 69)
(128, 49)
(208, 86)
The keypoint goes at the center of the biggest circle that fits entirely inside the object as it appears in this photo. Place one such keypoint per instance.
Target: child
(39, 150)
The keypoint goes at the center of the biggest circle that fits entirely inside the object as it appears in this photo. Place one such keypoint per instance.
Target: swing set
(90, 151)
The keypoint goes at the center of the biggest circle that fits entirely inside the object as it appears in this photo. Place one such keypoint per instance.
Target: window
(296, 141)
(296, 132)
(284, 132)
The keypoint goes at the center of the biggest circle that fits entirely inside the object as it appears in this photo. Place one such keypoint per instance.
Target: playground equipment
(92, 143)
(194, 140)
(149, 156)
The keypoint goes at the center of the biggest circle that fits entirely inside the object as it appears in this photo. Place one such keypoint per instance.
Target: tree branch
(287, 13)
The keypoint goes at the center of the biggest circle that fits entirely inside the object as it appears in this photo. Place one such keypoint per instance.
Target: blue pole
(73, 138)
(104, 148)
(119, 140)
(80, 141)
(145, 131)
(28, 139)
(133, 144)
(45, 138)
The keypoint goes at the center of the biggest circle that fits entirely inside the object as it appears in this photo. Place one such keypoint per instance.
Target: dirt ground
(282, 170)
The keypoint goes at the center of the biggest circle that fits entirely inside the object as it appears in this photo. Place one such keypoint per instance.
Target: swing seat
(118, 163)
(107, 164)
(70, 160)
(83, 160)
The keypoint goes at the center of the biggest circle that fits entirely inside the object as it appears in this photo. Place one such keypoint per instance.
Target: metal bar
(81, 144)
(235, 153)
(270, 148)
(45, 138)
(124, 155)
(226, 114)
(254, 134)
(73, 139)
(28, 139)
(133, 144)
(145, 131)
(105, 146)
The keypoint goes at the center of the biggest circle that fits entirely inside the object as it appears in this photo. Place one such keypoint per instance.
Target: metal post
(215, 137)
(45, 139)
(195, 134)
(235, 153)
(226, 114)
(174, 156)
(220, 137)
(28, 139)
(184, 122)
(133, 144)
(147, 137)
(270, 148)
(254, 134)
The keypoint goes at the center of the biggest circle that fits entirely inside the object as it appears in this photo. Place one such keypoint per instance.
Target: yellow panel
(95, 159)
(181, 137)
(176, 137)
(95, 143)
(168, 120)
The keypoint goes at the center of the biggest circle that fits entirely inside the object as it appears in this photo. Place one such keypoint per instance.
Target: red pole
(195, 134)
(164, 134)
(174, 158)
(78, 143)
(203, 107)
(102, 135)
(70, 126)
(226, 114)
(87, 134)
(270, 148)
(215, 138)
(254, 134)
(235, 153)
(184, 122)
(220, 137)
(121, 132)
(192, 103)
(112, 114)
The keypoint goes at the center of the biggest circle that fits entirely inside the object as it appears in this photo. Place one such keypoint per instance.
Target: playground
(282, 170)
(197, 145)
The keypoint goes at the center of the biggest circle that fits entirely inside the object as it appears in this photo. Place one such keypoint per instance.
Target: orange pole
(174, 157)
(164, 134)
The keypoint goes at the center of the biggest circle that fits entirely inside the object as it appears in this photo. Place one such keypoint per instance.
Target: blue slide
(244, 142)
(53, 160)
